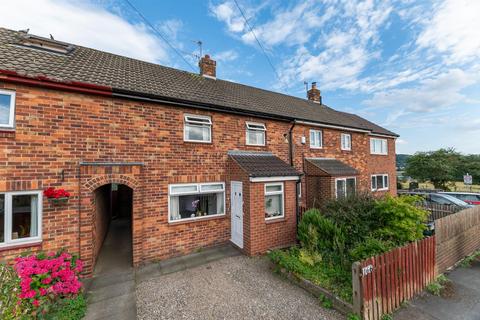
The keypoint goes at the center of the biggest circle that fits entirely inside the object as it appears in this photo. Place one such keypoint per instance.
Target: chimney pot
(314, 94)
(208, 67)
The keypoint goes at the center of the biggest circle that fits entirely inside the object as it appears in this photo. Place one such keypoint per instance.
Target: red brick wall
(275, 233)
(359, 157)
(55, 131)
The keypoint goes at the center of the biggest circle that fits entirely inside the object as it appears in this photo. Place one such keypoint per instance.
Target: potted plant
(56, 195)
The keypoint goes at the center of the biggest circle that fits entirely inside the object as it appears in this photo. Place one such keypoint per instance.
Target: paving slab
(463, 304)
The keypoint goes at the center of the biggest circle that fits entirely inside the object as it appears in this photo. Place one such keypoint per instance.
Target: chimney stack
(208, 67)
(314, 94)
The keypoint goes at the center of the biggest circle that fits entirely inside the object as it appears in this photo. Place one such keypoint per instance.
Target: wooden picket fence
(382, 283)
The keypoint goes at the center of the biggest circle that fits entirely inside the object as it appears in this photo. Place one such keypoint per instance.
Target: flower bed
(345, 231)
(42, 286)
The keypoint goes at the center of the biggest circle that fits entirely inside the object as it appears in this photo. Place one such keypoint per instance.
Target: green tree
(439, 167)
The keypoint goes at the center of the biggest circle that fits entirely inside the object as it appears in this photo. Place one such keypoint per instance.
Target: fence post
(357, 289)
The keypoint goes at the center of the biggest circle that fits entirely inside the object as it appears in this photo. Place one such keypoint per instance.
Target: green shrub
(318, 233)
(357, 216)
(9, 290)
(72, 309)
(400, 221)
(368, 248)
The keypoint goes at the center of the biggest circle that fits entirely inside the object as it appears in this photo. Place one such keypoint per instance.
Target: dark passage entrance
(113, 228)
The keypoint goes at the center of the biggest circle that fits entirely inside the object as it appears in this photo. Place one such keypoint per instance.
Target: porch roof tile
(263, 164)
(333, 167)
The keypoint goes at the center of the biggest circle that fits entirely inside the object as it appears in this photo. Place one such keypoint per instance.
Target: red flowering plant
(53, 193)
(47, 278)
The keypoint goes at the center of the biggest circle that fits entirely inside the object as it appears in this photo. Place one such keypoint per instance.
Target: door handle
(237, 216)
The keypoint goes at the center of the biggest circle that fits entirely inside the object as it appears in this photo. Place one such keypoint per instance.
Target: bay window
(255, 134)
(274, 201)
(7, 109)
(345, 187)
(196, 200)
(20, 217)
(379, 182)
(197, 128)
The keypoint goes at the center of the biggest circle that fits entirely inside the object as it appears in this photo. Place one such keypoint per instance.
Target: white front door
(236, 199)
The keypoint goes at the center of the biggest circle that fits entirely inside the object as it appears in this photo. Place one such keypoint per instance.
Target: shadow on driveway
(462, 303)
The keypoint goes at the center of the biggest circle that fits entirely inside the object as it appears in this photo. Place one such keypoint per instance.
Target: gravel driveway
(232, 288)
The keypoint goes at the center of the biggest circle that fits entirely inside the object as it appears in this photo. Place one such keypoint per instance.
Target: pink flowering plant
(46, 279)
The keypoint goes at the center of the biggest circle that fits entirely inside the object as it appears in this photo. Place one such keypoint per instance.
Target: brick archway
(88, 211)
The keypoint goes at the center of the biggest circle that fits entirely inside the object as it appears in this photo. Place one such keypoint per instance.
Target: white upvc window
(378, 146)
(346, 141)
(197, 128)
(20, 217)
(255, 134)
(193, 201)
(345, 187)
(274, 206)
(7, 109)
(316, 139)
(380, 182)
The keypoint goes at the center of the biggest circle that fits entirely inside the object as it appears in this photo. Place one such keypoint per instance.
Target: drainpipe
(291, 155)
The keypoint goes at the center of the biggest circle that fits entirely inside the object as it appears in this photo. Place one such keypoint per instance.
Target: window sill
(379, 154)
(195, 141)
(22, 245)
(193, 220)
(275, 220)
(7, 133)
(316, 148)
(380, 190)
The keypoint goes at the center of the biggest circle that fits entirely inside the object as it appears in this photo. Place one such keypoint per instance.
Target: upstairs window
(197, 129)
(7, 109)
(378, 146)
(379, 182)
(346, 141)
(196, 200)
(316, 139)
(20, 217)
(256, 134)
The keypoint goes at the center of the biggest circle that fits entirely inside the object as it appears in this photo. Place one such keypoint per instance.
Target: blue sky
(411, 66)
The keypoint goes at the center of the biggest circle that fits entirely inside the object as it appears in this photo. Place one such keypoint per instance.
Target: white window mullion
(8, 218)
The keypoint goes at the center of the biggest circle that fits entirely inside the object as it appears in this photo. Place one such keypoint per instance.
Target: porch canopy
(263, 166)
(328, 167)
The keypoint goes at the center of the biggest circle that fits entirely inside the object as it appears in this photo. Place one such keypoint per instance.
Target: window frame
(189, 119)
(272, 193)
(247, 129)
(383, 142)
(320, 132)
(199, 191)
(384, 177)
(344, 179)
(8, 241)
(342, 146)
(11, 117)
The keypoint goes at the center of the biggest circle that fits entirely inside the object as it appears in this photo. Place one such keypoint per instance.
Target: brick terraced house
(188, 160)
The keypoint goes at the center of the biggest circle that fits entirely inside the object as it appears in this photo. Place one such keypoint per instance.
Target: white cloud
(225, 56)
(229, 14)
(429, 95)
(84, 24)
(453, 30)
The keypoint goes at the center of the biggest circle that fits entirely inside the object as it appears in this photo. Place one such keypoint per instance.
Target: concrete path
(111, 291)
(462, 303)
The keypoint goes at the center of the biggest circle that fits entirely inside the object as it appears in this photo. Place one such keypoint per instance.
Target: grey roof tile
(263, 164)
(122, 73)
(333, 167)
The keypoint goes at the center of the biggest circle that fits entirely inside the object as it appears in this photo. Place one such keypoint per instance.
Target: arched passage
(112, 228)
